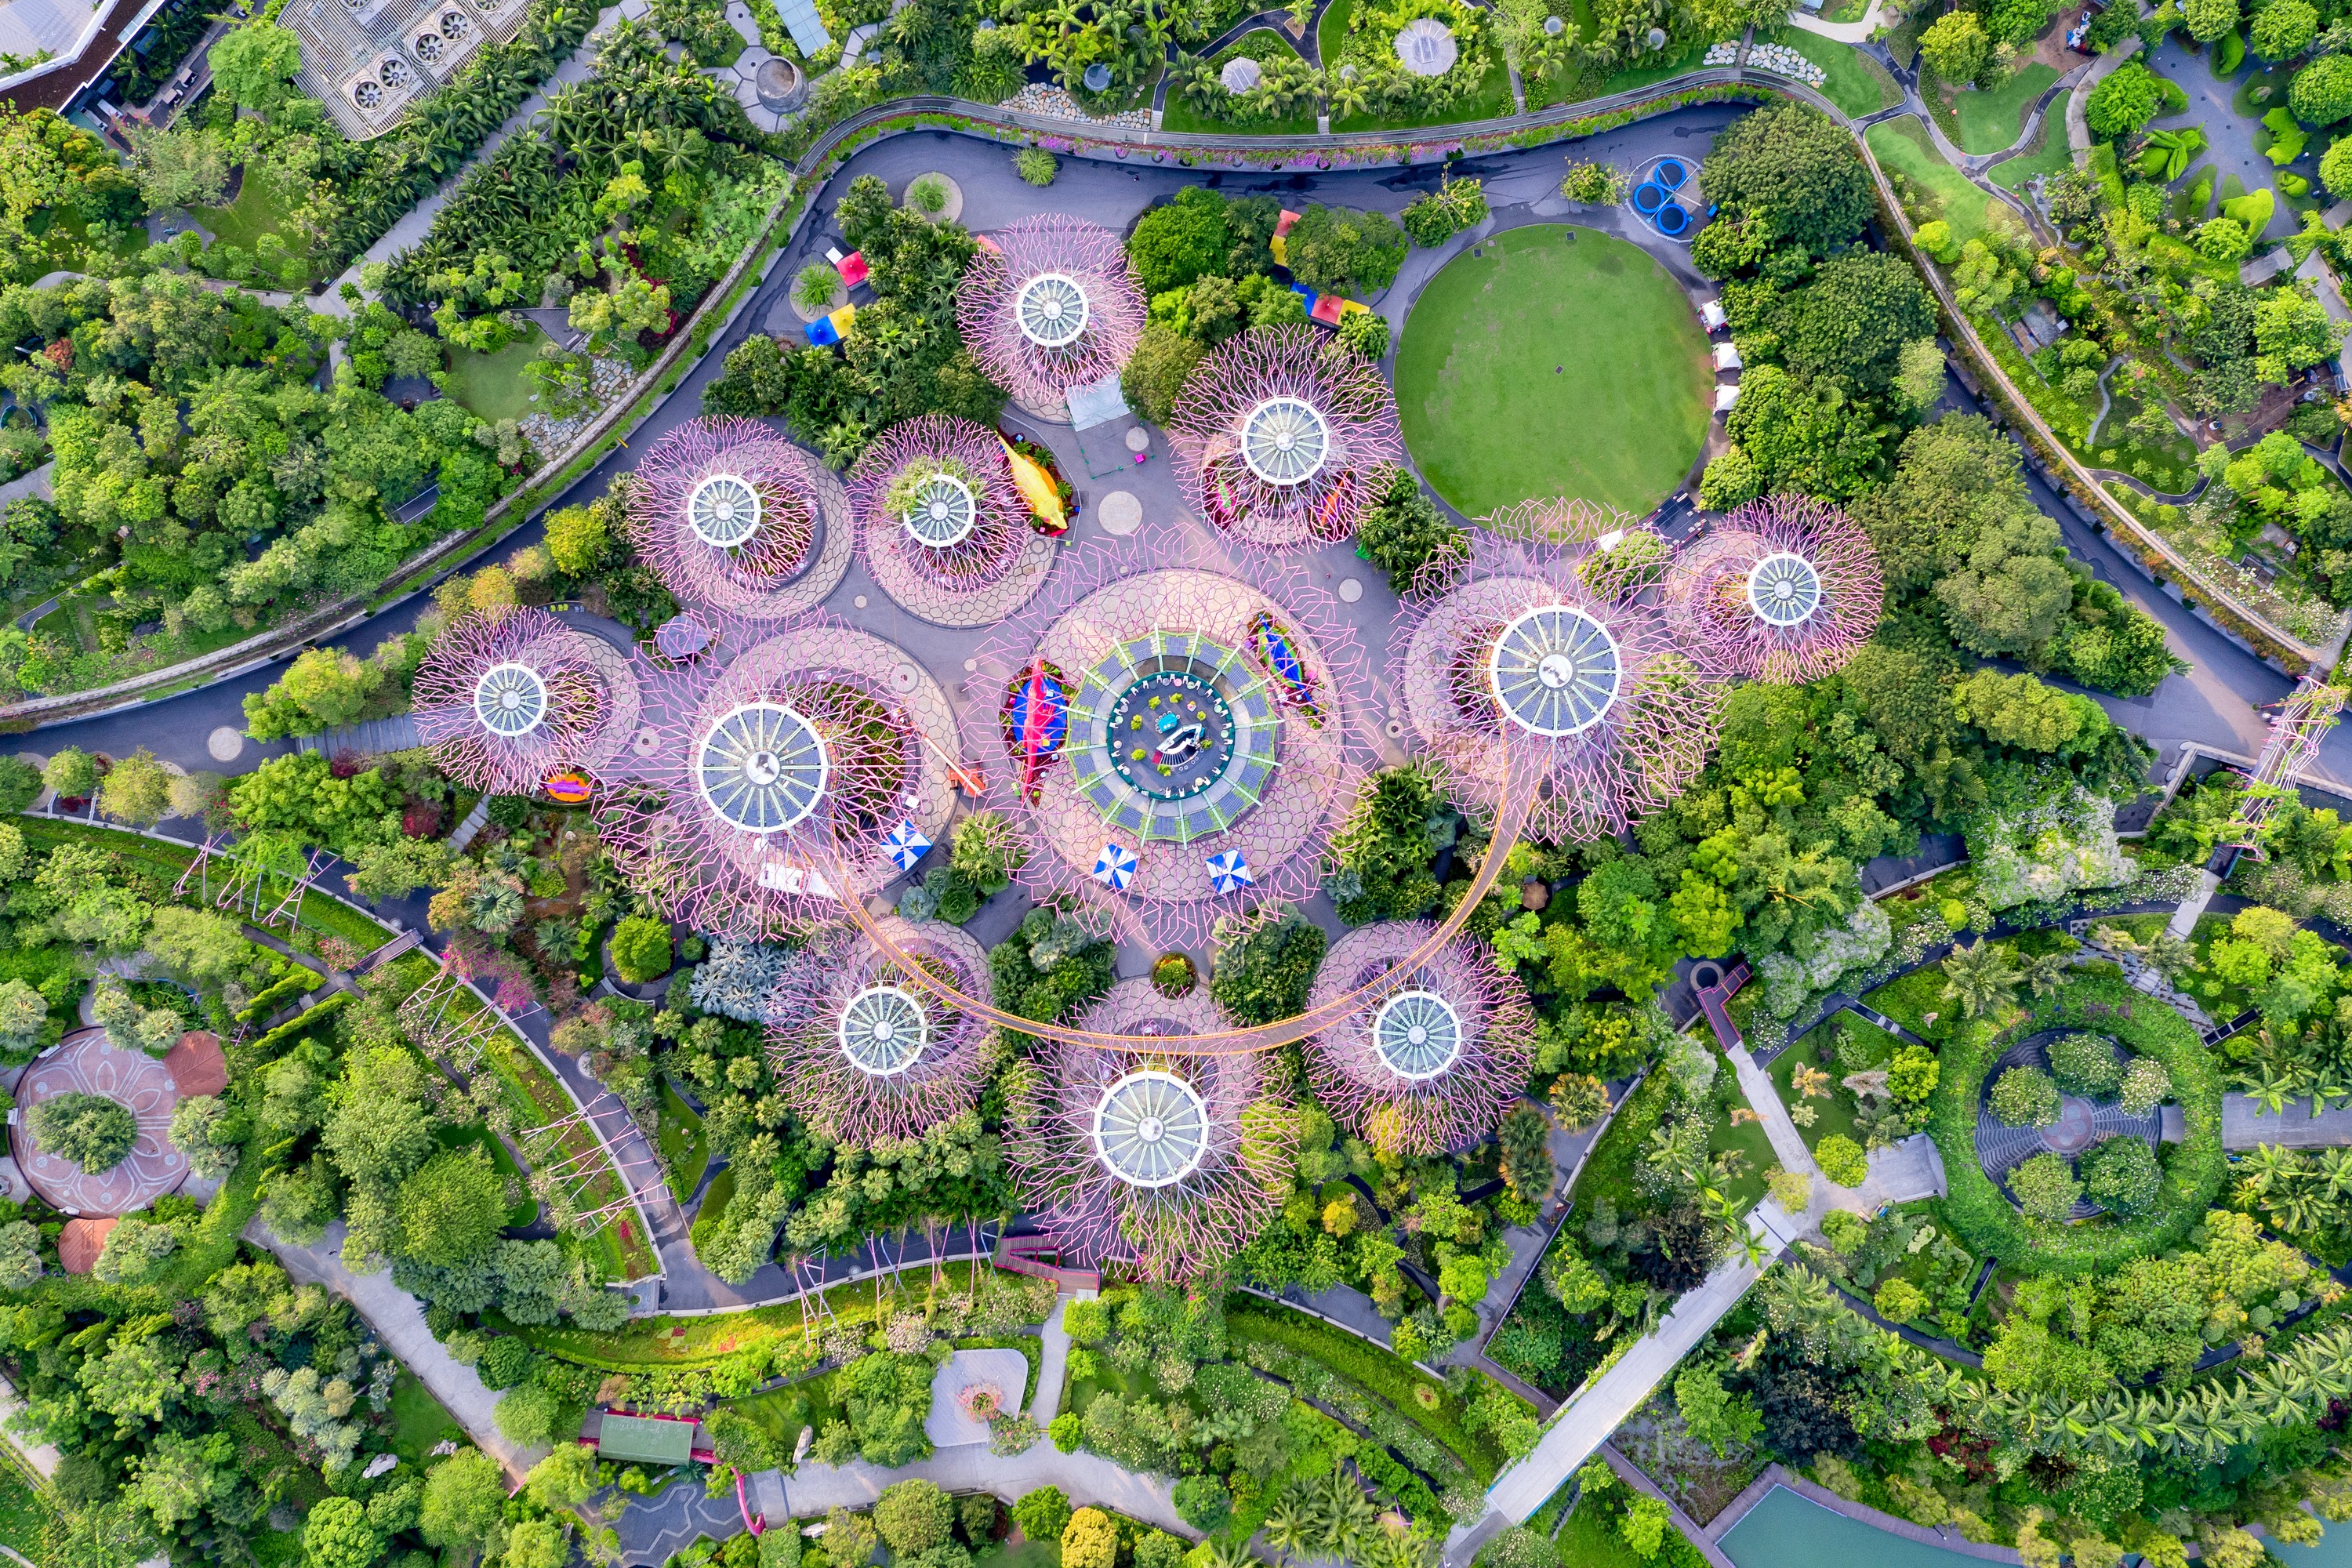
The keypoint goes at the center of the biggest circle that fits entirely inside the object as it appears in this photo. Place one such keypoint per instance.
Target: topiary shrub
(2045, 1188)
(2025, 1097)
(2086, 1065)
(641, 948)
(93, 1131)
(1090, 1540)
(506, 1361)
(1843, 1161)
(1045, 1513)
(2121, 1175)
(2145, 1085)
(1172, 975)
(1036, 166)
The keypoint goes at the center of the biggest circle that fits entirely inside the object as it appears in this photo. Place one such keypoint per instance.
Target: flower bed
(2193, 1169)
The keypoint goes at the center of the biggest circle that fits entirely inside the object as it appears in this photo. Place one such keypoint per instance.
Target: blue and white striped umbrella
(1113, 867)
(906, 843)
(1229, 871)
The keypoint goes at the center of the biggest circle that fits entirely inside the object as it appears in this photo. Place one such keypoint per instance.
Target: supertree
(772, 783)
(1047, 304)
(1585, 695)
(1277, 435)
(508, 696)
(1167, 1164)
(941, 525)
(1430, 1061)
(1169, 743)
(864, 1055)
(1785, 589)
(729, 514)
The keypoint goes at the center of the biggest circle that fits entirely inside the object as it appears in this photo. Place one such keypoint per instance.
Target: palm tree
(2334, 1172)
(2271, 1091)
(1982, 979)
(2046, 971)
(2269, 1168)
(1224, 1553)
(1290, 1529)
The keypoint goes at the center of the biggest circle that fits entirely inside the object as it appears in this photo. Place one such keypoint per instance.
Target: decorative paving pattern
(1050, 684)
(974, 562)
(889, 740)
(85, 1064)
(1453, 1093)
(2081, 1122)
(196, 1065)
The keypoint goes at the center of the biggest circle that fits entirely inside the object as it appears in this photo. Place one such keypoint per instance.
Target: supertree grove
(942, 527)
(508, 697)
(1169, 742)
(1521, 666)
(861, 1055)
(1049, 303)
(1164, 1164)
(1277, 435)
(769, 785)
(1786, 589)
(731, 515)
(1429, 1063)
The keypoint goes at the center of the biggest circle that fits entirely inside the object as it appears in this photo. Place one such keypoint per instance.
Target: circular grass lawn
(1490, 420)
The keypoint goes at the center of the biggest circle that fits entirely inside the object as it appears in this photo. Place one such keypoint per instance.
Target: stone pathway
(1764, 1098)
(651, 1530)
(1083, 1477)
(1055, 1361)
(2245, 1124)
(399, 1320)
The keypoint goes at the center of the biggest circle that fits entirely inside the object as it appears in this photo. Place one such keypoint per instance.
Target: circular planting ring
(2081, 1123)
(86, 1064)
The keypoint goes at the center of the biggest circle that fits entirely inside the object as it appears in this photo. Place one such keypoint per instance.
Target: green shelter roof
(641, 1440)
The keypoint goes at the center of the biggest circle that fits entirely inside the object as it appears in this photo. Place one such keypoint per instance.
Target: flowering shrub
(2047, 850)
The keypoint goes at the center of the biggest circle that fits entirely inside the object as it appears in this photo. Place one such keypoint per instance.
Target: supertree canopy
(1169, 741)
(1786, 589)
(863, 1055)
(770, 785)
(1168, 1164)
(943, 526)
(1047, 304)
(508, 698)
(1586, 694)
(1428, 1062)
(1276, 436)
(731, 515)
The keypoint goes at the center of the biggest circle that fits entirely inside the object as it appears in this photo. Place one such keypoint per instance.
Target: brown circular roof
(81, 1242)
(196, 1065)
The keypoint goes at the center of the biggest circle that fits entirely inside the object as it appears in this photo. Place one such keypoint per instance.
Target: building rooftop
(367, 60)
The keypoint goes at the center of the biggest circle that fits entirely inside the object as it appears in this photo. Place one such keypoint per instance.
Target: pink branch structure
(1432, 1066)
(765, 785)
(1048, 303)
(1164, 1165)
(1784, 591)
(1170, 742)
(1520, 661)
(864, 1056)
(941, 526)
(1277, 436)
(727, 511)
(506, 698)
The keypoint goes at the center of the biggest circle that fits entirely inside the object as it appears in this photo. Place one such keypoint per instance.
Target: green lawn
(1901, 146)
(1642, 75)
(1553, 361)
(418, 1422)
(1590, 1538)
(2048, 155)
(28, 1518)
(1991, 120)
(1856, 83)
(1331, 32)
(1831, 1116)
(243, 221)
(492, 384)
(1257, 44)
(1750, 1139)
(685, 1147)
(1491, 101)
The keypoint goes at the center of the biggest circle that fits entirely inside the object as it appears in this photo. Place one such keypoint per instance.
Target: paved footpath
(970, 1467)
(40, 1456)
(399, 1320)
(2245, 1124)
(1047, 1402)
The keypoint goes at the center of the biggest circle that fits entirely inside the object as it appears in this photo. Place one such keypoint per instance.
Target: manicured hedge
(2193, 1169)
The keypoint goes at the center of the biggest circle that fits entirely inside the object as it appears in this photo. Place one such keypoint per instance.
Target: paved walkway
(1764, 1098)
(1083, 1477)
(1844, 32)
(40, 1456)
(1053, 1363)
(399, 1321)
(2245, 1124)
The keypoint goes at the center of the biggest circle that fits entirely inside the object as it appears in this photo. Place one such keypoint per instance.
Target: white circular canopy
(1555, 670)
(1784, 589)
(511, 699)
(1417, 1034)
(1051, 310)
(723, 510)
(942, 512)
(884, 1030)
(1284, 440)
(1426, 47)
(762, 767)
(1151, 1129)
